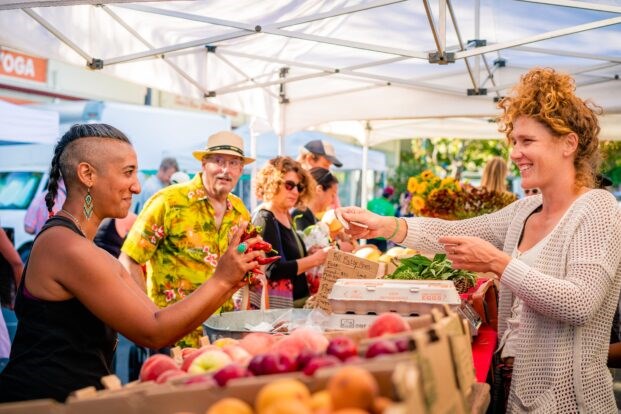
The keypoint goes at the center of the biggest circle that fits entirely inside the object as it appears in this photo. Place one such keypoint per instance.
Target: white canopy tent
(22, 125)
(301, 63)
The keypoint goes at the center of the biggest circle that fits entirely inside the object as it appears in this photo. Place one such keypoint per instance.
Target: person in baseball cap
(318, 153)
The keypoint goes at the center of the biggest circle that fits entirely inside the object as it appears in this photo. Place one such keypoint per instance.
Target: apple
(404, 344)
(381, 347)
(209, 361)
(305, 356)
(229, 372)
(190, 355)
(386, 324)
(170, 374)
(342, 347)
(320, 362)
(155, 365)
(272, 363)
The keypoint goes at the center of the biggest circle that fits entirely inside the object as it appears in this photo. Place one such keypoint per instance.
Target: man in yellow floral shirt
(184, 228)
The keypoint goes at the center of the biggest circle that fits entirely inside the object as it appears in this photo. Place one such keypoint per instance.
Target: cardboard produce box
(44, 406)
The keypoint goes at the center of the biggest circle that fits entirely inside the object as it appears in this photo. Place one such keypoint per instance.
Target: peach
(283, 389)
(257, 342)
(287, 407)
(353, 387)
(155, 365)
(237, 354)
(321, 400)
(222, 342)
(170, 374)
(230, 406)
(387, 323)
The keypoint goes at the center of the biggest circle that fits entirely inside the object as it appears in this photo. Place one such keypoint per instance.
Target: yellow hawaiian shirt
(175, 235)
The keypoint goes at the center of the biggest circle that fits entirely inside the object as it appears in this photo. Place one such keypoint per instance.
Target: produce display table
(483, 348)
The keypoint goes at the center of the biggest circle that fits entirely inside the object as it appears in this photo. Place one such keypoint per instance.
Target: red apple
(170, 374)
(387, 323)
(272, 363)
(229, 372)
(404, 344)
(155, 365)
(320, 362)
(305, 356)
(342, 347)
(209, 361)
(381, 347)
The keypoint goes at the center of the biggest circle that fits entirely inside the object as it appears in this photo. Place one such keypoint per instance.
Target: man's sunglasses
(290, 185)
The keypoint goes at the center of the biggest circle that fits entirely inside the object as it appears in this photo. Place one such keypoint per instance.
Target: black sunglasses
(290, 185)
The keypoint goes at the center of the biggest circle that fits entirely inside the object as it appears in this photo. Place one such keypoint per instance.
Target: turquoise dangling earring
(88, 204)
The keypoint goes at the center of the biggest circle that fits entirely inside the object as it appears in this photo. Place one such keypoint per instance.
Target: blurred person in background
(11, 274)
(384, 207)
(318, 153)
(326, 192)
(495, 175)
(283, 184)
(168, 166)
(37, 213)
(184, 229)
(325, 197)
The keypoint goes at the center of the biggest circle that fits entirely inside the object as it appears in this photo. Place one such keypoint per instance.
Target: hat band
(226, 147)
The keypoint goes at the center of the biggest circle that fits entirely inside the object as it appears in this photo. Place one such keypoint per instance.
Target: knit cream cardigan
(570, 296)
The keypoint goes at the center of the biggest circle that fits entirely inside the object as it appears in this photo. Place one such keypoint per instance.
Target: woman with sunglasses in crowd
(283, 184)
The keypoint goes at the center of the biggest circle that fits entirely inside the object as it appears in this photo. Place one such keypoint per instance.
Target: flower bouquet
(448, 199)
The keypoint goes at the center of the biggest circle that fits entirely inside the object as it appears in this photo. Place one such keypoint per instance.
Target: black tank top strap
(62, 221)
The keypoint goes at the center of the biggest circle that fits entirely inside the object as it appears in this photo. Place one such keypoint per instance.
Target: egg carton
(406, 297)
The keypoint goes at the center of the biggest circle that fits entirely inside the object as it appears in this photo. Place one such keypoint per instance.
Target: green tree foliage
(445, 157)
(611, 160)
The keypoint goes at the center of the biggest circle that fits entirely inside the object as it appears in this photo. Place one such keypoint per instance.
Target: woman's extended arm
(85, 272)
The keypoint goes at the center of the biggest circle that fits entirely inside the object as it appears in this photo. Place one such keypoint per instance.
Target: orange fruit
(280, 390)
(230, 406)
(352, 387)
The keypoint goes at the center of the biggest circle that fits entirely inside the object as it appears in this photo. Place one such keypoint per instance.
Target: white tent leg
(365, 166)
(253, 169)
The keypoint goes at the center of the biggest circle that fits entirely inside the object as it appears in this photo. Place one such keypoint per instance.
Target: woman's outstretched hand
(474, 254)
(362, 223)
(237, 261)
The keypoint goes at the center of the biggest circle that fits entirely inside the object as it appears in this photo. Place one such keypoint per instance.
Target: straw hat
(223, 142)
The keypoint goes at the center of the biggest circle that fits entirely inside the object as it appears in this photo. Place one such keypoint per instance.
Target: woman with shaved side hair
(74, 296)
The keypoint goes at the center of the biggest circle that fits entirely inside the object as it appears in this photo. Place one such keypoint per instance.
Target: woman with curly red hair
(556, 253)
(283, 184)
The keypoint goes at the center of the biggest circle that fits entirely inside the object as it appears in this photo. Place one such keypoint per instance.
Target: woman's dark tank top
(59, 346)
(108, 238)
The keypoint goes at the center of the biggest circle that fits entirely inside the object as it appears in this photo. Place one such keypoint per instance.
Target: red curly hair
(548, 96)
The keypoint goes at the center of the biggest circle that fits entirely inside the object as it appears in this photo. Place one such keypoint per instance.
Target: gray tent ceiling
(303, 63)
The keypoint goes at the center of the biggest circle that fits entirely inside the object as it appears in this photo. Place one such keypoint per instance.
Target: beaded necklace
(72, 217)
